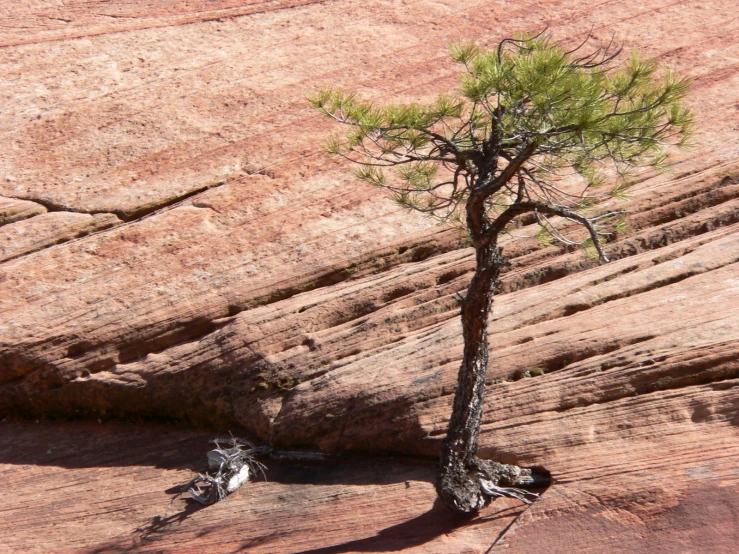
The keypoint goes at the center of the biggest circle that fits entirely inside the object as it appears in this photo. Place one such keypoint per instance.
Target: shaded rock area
(174, 246)
(109, 487)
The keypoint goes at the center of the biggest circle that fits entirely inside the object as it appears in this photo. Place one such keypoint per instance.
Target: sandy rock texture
(174, 245)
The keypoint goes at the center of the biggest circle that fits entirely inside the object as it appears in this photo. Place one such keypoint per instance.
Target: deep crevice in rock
(126, 216)
(154, 207)
(655, 228)
(572, 309)
(660, 385)
(651, 239)
(191, 331)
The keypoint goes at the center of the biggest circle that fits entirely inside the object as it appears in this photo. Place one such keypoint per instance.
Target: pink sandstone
(175, 246)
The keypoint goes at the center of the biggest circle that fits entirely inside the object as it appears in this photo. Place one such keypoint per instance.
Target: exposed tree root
(469, 487)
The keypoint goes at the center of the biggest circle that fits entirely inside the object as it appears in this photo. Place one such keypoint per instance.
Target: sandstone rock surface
(174, 245)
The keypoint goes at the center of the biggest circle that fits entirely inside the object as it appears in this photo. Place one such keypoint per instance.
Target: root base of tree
(469, 487)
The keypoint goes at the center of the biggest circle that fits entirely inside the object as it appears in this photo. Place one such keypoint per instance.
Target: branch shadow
(159, 526)
(414, 532)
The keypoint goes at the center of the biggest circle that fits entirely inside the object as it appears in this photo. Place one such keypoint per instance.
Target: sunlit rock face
(174, 244)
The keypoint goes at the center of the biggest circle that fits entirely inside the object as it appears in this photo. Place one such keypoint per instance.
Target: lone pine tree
(536, 132)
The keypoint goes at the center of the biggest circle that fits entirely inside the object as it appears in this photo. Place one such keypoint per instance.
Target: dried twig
(231, 467)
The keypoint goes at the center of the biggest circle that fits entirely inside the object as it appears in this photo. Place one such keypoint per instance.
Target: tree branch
(520, 208)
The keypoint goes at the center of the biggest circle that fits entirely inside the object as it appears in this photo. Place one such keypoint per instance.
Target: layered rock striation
(175, 245)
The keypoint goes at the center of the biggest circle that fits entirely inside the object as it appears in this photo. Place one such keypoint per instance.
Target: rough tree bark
(466, 483)
(463, 477)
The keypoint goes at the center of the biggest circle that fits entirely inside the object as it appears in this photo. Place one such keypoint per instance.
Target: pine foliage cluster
(532, 128)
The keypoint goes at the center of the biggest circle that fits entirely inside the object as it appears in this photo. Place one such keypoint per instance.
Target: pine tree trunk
(458, 483)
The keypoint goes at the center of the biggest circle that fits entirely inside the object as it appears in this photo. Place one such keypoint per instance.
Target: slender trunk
(455, 486)
(466, 483)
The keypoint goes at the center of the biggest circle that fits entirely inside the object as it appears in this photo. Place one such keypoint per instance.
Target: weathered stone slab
(232, 276)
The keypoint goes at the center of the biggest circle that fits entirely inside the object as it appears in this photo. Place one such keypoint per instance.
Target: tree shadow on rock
(415, 532)
(158, 526)
(352, 470)
(156, 529)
